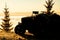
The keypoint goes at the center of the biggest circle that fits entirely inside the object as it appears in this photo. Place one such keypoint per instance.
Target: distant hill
(18, 14)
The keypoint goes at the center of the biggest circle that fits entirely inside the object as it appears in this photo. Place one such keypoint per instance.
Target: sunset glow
(27, 5)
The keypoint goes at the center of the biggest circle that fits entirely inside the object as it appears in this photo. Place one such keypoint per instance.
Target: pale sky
(27, 5)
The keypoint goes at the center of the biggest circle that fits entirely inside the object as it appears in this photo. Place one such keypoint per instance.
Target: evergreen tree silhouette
(49, 5)
(6, 21)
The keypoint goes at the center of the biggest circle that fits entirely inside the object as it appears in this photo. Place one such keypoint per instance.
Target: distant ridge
(18, 14)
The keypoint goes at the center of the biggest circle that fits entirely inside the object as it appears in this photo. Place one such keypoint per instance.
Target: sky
(27, 5)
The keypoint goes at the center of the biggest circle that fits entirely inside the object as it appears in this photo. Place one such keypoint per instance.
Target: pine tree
(6, 21)
(49, 5)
